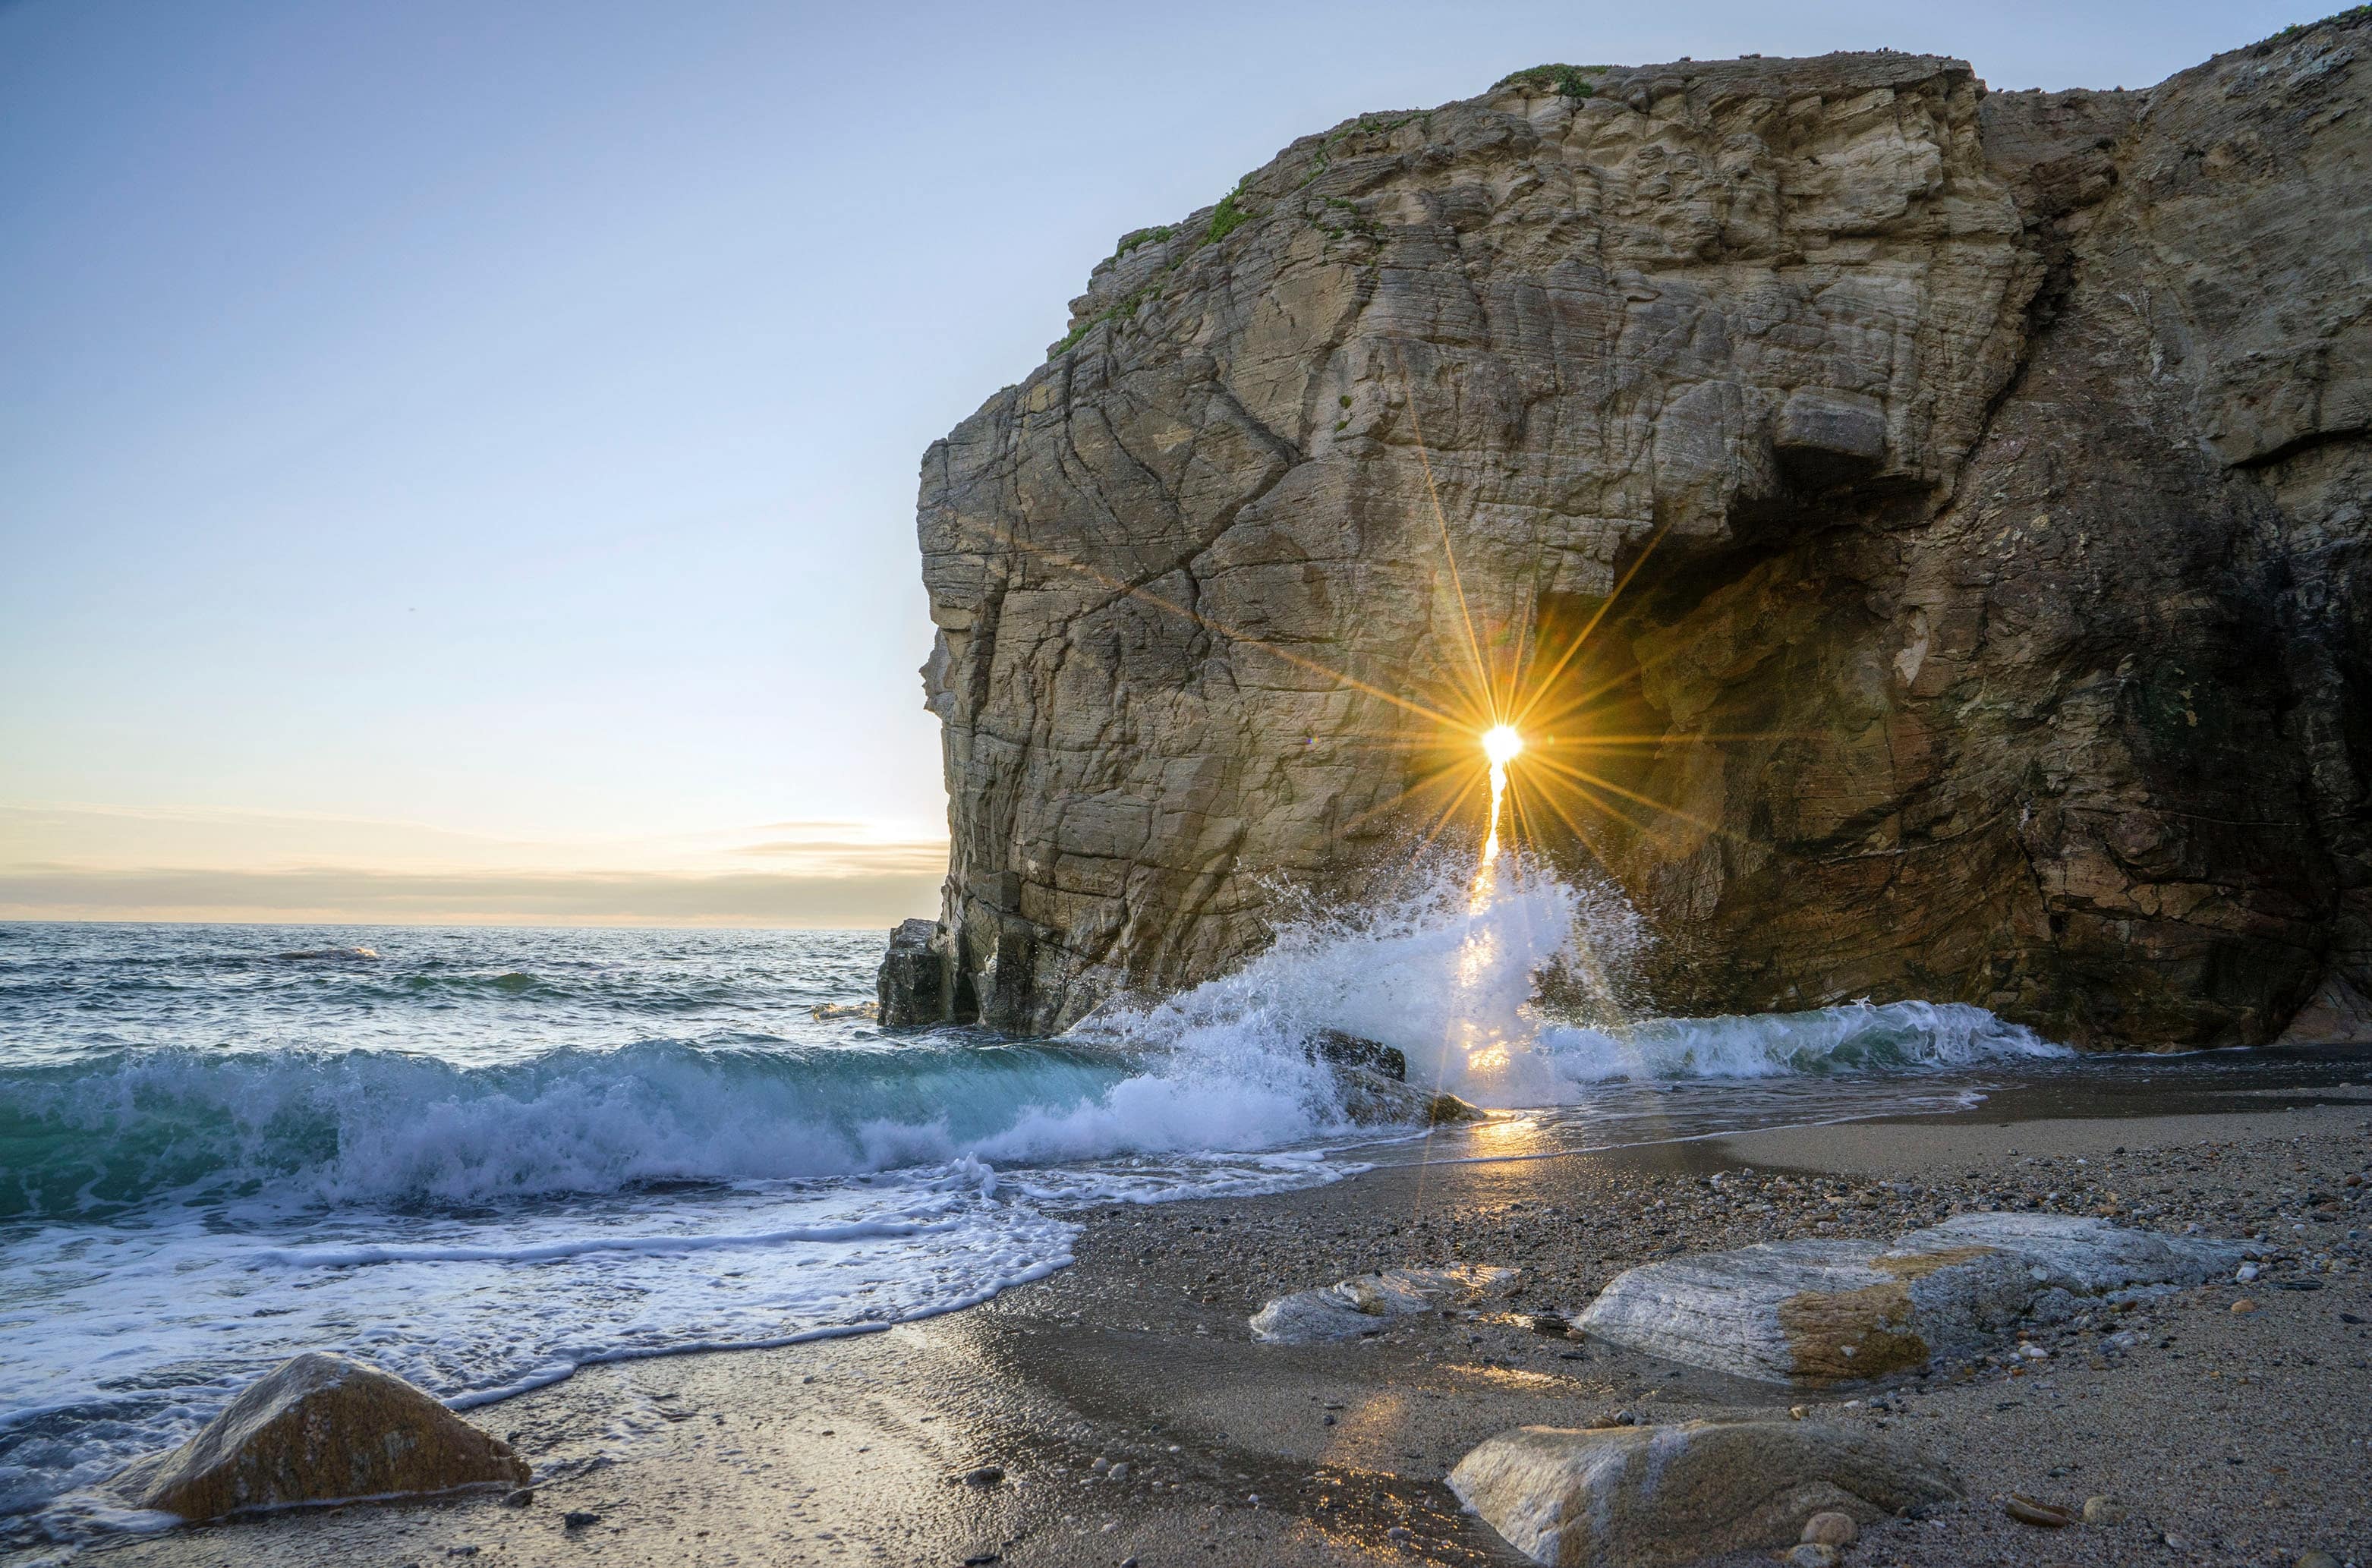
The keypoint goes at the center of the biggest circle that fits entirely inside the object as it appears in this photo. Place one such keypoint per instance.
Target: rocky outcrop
(1814, 1314)
(1685, 1493)
(319, 1429)
(1924, 528)
(1366, 1304)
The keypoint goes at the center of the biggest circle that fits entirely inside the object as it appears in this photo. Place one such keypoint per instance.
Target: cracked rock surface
(1989, 473)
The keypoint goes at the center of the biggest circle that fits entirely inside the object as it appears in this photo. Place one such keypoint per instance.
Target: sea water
(482, 1158)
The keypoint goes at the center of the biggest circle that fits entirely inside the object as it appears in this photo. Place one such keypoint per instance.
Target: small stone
(2033, 1511)
(1797, 1412)
(1831, 1529)
(2103, 1511)
(1399, 1532)
(2244, 1305)
(520, 1499)
(2318, 1560)
(1813, 1554)
(577, 1519)
(986, 1475)
(1118, 1473)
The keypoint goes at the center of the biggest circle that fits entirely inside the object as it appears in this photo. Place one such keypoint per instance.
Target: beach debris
(1831, 1529)
(1677, 1493)
(2034, 1511)
(319, 1428)
(845, 1012)
(1821, 1312)
(1366, 1304)
(2103, 1510)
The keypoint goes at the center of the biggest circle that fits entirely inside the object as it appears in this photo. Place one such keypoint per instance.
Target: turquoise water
(482, 1158)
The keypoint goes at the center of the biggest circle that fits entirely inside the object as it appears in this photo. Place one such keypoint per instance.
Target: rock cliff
(1924, 529)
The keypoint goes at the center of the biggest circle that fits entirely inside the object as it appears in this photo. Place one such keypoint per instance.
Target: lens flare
(1500, 743)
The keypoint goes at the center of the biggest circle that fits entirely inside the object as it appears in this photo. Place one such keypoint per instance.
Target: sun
(1501, 743)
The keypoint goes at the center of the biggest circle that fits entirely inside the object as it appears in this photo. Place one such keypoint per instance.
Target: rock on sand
(1361, 1306)
(1815, 1313)
(319, 1429)
(1658, 1494)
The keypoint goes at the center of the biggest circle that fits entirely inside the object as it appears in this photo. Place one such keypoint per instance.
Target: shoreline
(843, 1450)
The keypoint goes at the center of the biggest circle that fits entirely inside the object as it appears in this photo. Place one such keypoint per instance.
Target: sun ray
(1543, 685)
(1585, 776)
(1217, 628)
(1484, 678)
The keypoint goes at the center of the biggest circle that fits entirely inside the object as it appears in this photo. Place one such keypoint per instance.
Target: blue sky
(469, 441)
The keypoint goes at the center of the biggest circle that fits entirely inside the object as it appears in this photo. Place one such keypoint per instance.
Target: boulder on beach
(1817, 1313)
(1365, 1304)
(1657, 1495)
(319, 1428)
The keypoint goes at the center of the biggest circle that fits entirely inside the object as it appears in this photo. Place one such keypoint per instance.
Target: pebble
(1118, 1473)
(520, 1499)
(2030, 1511)
(577, 1519)
(2103, 1510)
(1813, 1554)
(1831, 1528)
(986, 1475)
(2318, 1560)
(2244, 1305)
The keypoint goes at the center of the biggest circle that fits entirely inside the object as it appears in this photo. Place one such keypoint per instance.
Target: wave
(173, 1123)
(1451, 977)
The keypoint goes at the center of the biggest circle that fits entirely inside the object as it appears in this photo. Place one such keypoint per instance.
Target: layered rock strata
(1963, 495)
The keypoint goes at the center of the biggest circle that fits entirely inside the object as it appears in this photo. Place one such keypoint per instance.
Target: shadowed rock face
(1988, 472)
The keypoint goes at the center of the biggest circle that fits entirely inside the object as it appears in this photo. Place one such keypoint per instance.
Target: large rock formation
(1963, 495)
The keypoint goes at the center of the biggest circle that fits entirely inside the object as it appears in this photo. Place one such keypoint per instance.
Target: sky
(458, 460)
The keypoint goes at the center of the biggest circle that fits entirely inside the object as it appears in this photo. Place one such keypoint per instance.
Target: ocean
(482, 1158)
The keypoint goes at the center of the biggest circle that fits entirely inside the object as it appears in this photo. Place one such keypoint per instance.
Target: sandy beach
(1130, 1417)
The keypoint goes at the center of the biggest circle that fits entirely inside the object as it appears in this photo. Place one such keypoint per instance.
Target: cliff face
(1963, 495)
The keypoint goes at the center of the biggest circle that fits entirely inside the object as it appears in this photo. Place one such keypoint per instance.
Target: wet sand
(2240, 1439)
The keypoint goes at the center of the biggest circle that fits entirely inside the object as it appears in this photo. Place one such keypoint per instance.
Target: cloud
(365, 896)
(78, 861)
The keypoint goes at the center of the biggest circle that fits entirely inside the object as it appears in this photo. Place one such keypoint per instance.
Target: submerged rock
(1372, 1099)
(1340, 1050)
(1364, 1305)
(1658, 1494)
(1814, 1313)
(319, 1429)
